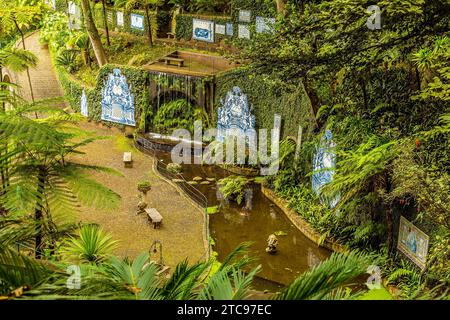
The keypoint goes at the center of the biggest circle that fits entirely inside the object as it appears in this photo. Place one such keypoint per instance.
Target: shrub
(68, 59)
(144, 186)
(233, 188)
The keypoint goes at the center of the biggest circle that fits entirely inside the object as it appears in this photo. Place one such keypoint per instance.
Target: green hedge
(267, 98)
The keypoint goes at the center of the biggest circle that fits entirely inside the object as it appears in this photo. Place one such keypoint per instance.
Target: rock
(197, 179)
(192, 183)
(272, 243)
(211, 179)
(205, 182)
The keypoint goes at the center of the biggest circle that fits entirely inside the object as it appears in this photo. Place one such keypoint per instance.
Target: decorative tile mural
(234, 117)
(119, 18)
(203, 30)
(245, 15)
(137, 21)
(243, 31)
(84, 105)
(117, 100)
(413, 242)
(220, 28)
(324, 163)
(229, 27)
(264, 24)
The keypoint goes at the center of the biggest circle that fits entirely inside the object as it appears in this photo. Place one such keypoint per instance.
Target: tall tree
(42, 179)
(105, 22)
(92, 31)
(17, 16)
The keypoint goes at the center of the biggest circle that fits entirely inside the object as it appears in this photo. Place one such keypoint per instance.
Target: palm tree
(94, 36)
(16, 60)
(326, 279)
(40, 178)
(14, 15)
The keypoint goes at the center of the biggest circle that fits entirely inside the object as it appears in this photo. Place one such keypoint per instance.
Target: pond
(234, 224)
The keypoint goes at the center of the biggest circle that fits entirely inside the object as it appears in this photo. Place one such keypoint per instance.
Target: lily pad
(212, 210)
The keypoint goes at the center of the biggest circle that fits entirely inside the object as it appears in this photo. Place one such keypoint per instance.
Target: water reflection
(254, 220)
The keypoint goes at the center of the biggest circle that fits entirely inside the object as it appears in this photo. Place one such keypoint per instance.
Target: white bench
(154, 217)
(127, 159)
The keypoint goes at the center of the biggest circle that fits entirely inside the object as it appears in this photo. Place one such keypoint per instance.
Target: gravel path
(182, 230)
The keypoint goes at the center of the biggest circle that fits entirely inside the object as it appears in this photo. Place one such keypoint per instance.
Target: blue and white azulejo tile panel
(234, 117)
(203, 30)
(84, 105)
(117, 100)
(324, 164)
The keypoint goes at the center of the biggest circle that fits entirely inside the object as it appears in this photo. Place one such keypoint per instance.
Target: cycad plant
(326, 280)
(92, 245)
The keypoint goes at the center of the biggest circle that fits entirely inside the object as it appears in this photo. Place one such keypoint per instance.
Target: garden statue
(142, 205)
(272, 243)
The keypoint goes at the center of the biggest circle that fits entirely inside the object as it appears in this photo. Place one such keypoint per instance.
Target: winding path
(182, 232)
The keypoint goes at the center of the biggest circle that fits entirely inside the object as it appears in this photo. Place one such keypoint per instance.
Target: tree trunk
(149, 26)
(314, 100)
(39, 212)
(92, 31)
(67, 11)
(105, 20)
(28, 70)
(281, 6)
(364, 92)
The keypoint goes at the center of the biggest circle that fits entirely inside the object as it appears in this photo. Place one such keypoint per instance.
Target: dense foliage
(384, 95)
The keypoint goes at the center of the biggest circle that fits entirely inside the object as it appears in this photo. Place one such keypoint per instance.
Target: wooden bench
(168, 60)
(154, 217)
(170, 35)
(127, 160)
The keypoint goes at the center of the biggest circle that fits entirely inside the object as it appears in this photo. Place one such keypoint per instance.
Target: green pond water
(254, 221)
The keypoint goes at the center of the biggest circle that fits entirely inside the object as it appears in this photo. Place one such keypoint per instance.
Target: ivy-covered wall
(267, 98)
(262, 8)
(61, 5)
(184, 25)
(137, 79)
(112, 21)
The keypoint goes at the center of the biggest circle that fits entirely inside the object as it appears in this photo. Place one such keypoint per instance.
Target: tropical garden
(383, 92)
